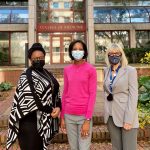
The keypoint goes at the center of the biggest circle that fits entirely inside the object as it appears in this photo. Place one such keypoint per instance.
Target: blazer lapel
(106, 78)
(119, 75)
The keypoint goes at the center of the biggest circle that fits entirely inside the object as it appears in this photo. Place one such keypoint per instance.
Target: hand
(62, 125)
(55, 112)
(85, 129)
(127, 126)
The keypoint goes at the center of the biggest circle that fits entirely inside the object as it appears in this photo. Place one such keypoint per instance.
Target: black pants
(28, 136)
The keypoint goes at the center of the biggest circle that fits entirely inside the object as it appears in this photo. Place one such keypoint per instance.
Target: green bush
(146, 58)
(144, 101)
(134, 55)
(5, 86)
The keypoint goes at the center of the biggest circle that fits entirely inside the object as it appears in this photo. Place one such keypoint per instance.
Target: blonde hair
(116, 47)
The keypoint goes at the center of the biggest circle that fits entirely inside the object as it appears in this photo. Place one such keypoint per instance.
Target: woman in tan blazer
(121, 97)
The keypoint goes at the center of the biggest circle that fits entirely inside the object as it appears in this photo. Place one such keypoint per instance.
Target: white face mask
(77, 54)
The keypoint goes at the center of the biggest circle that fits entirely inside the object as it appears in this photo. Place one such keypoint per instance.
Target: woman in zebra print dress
(36, 105)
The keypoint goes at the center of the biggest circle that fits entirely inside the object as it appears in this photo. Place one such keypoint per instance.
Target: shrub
(144, 101)
(134, 55)
(146, 58)
(5, 86)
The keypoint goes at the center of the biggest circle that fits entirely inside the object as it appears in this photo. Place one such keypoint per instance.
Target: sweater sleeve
(92, 92)
(64, 94)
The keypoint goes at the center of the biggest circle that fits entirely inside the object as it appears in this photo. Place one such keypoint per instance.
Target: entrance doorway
(59, 48)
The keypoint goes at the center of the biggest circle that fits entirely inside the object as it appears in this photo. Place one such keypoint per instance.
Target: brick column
(90, 31)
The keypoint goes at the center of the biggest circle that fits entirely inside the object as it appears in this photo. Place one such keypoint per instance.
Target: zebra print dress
(24, 103)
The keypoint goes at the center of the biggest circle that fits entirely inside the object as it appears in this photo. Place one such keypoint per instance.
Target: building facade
(55, 23)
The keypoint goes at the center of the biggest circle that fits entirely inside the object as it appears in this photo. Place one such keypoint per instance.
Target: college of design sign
(61, 27)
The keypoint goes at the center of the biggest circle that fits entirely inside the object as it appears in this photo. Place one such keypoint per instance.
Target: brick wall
(13, 74)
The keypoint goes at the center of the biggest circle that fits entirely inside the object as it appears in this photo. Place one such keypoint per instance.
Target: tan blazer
(125, 96)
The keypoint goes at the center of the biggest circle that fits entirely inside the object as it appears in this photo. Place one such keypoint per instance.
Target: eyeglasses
(38, 58)
(114, 54)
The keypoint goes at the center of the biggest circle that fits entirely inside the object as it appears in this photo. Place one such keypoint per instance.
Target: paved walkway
(5, 106)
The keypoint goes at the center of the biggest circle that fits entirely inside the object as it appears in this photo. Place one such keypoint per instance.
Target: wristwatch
(88, 119)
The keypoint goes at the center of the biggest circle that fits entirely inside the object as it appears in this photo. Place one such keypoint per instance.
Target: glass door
(59, 49)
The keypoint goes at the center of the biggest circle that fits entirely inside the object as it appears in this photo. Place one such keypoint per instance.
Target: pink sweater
(79, 94)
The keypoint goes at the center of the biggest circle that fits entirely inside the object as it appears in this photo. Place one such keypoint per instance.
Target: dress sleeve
(92, 92)
(64, 93)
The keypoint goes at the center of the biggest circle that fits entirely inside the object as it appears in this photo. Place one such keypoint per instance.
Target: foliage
(144, 101)
(3, 58)
(5, 86)
(146, 58)
(134, 55)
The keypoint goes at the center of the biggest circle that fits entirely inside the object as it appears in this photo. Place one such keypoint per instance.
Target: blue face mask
(114, 59)
(77, 54)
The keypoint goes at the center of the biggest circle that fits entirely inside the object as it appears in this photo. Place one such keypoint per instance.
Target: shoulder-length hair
(116, 47)
(84, 48)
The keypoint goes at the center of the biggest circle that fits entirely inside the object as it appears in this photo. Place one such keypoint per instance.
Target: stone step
(99, 134)
(97, 120)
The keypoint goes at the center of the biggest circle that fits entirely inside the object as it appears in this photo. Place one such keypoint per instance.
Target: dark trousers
(28, 137)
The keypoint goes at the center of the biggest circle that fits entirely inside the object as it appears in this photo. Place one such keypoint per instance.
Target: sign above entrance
(61, 27)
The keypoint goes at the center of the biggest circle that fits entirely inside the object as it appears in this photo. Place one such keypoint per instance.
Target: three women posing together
(37, 103)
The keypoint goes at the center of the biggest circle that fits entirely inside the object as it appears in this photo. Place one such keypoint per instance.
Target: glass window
(18, 40)
(139, 15)
(119, 15)
(101, 15)
(78, 5)
(5, 15)
(43, 16)
(4, 48)
(79, 17)
(142, 38)
(55, 5)
(66, 4)
(42, 4)
(44, 38)
(61, 10)
(103, 40)
(19, 16)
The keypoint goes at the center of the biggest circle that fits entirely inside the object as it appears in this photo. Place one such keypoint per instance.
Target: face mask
(38, 64)
(77, 54)
(114, 59)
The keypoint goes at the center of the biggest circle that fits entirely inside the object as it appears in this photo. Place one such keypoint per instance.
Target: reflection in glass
(5, 16)
(104, 39)
(121, 37)
(4, 48)
(142, 39)
(18, 40)
(48, 11)
(14, 15)
(139, 15)
(43, 16)
(119, 15)
(101, 15)
(56, 49)
(66, 42)
(44, 38)
(19, 16)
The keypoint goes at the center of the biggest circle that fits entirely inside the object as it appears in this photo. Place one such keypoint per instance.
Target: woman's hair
(84, 48)
(35, 47)
(116, 47)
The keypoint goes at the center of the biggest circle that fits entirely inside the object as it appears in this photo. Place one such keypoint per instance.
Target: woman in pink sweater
(78, 99)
